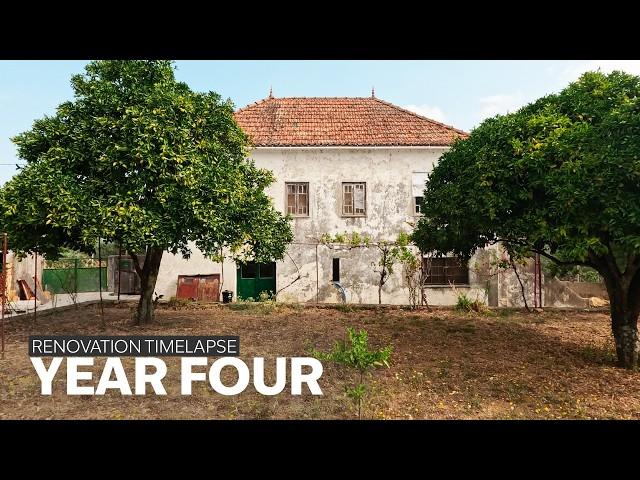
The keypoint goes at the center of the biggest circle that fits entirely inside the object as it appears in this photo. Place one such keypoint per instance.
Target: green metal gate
(74, 278)
(254, 278)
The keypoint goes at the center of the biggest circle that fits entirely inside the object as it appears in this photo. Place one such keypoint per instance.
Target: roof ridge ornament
(271, 91)
(373, 92)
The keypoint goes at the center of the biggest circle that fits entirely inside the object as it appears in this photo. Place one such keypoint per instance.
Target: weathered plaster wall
(390, 209)
(174, 265)
(21, 269)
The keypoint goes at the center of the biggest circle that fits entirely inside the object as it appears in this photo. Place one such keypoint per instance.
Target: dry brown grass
(445, 364)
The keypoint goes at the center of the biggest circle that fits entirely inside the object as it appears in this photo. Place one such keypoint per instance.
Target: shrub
(465, 304)
(355, 354)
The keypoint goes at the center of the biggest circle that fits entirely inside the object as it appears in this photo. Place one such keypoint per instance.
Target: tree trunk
(148, 278)
(625, 308)
(379, 294)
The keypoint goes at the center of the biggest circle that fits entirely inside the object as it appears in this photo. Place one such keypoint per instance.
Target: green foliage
(353, 239)
(177, 303)
(343, 307)
(264, 304)
(559, 175)
(139, 159)
(571, 272)
(355, 354)
(265, 297)
(465, 304)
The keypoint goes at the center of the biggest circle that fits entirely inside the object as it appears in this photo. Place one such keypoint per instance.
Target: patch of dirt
(445, 364)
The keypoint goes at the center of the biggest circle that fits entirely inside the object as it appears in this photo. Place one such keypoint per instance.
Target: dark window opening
(445, 270)
(267, 270)
(248, 270)
(417, 201)
(336, 269)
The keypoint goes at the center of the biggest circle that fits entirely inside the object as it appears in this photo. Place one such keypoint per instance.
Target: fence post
(75, 275)
(100, 279)
(4, 286)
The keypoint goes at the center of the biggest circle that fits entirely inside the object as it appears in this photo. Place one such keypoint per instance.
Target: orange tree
(139, 159)
(560, 177)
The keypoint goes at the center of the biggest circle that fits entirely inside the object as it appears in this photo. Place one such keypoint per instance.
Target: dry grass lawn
(445, 365)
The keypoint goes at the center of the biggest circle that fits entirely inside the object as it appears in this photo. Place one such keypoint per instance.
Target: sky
(460, 93)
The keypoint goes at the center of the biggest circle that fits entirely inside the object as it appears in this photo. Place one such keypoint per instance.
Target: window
(418, 181)
(416, 205)
(354, 199)
(445, 270)
(298, 199)
(267, 270)
(336, 269)
(248, 270)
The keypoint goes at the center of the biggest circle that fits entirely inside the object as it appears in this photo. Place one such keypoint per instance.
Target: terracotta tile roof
(320, 121)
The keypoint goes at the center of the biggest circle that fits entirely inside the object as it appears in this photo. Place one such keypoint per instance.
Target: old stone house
(342, 165)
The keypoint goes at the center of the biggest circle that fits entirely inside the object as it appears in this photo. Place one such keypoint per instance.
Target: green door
(255, 278)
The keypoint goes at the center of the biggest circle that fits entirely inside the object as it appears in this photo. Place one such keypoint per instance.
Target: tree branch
(544, 254)
(515, 270)
(136, 263)
(561, 262)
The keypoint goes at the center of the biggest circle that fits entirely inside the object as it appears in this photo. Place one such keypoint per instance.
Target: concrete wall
(21, 269)
(574, 294)
(174, 265)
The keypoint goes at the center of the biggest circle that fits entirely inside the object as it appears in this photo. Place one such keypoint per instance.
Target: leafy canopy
(560, 176)
(139, 159)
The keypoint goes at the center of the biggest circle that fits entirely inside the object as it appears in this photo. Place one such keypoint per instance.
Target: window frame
(269, 264)
(297, 195)
(353, 204)
(447, 278)
(416, 206)
(335, 269)
(255, 274)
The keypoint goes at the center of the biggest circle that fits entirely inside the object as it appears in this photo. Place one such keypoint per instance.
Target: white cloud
(504, 103)
(607, 66)
(429, 111)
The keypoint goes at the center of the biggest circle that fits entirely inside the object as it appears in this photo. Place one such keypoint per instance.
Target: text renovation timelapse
(134, 346)
(78, 353)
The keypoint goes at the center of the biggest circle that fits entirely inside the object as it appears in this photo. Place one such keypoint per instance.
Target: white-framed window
(354, 199)
(298, 198)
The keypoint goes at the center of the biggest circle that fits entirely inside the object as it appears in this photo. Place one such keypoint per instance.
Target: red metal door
(208, 288)
(188, 287)
(203, 288)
